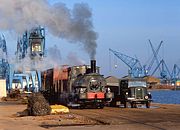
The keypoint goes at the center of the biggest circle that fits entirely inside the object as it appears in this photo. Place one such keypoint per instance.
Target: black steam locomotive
(78, 86)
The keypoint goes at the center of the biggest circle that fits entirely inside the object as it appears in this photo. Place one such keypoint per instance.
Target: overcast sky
(124, 26)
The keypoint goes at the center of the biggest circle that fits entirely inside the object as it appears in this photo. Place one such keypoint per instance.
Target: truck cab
(133, 91)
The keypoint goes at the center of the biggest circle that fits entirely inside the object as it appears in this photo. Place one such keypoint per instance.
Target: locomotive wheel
(82, 106)
(148, 104)
(101, 106)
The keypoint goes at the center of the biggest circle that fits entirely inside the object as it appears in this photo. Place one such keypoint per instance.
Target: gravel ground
(159, 117)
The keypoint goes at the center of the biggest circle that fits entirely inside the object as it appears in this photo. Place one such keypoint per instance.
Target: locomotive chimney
(93, 66)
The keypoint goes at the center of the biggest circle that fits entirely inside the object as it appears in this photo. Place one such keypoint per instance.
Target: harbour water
(166, 96)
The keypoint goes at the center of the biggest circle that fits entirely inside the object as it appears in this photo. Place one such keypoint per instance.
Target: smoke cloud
(75, 24)
(3, 54)
(73, 59)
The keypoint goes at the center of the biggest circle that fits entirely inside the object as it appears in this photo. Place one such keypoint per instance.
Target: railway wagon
(77, 86)
(54, 83)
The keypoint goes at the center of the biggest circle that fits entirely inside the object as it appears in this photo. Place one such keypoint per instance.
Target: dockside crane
(135, 67)
(155, 56)
(164, 73)
(163, 69)
(175, 73)
(161, 65)
(32, 41)
(32, 45)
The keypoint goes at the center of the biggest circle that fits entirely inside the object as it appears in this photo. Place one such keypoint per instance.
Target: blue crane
(164, 73)
(135, 67)
(4, 65)
(31, 44)
(161, 65)
(155, 56)
(175, 73)
(32, 41)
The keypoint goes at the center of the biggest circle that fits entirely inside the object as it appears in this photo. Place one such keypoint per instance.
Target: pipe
(93, 66)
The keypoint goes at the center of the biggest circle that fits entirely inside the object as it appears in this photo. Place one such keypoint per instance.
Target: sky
(124, 26)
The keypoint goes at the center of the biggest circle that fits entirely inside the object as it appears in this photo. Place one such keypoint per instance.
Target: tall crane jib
(155, 56)
(135, 67)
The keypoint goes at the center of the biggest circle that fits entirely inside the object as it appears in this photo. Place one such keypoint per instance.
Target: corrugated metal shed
(112, 81)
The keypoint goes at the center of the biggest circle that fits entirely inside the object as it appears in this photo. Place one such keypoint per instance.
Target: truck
(132, 91)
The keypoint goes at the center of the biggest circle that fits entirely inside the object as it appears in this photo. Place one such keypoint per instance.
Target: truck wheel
(125, 104)
(148, 104)
(133, 105)
(113, 104)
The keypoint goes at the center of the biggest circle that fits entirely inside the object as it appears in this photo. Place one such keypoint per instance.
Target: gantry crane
(32, 44)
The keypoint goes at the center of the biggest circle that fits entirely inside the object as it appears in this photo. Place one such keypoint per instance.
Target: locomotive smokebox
(93, 66)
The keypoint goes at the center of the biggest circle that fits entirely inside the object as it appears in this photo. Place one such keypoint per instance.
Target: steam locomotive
(77, 86)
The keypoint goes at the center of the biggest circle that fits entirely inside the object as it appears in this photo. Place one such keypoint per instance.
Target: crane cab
(37, 41)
